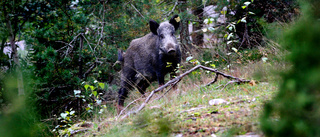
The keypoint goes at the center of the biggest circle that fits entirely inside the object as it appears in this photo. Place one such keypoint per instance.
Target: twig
(230, 82)
(102, 23)
(127, 107)
(214, 80)
(137, 11)
(172, 10)
(88, 44)
(178, 78)
(89, 70)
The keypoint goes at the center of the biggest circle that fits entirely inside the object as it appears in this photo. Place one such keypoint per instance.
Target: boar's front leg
(123, 94)
(160, 72)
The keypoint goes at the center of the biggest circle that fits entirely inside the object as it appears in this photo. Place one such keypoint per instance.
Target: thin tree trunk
(15, 57)
(80, 58)
(17, 65)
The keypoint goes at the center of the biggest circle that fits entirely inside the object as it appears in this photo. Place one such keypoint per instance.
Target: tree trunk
(197, 38)
(15, 57)
(186, 44)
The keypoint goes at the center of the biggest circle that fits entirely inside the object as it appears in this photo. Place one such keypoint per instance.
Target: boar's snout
(171, 49)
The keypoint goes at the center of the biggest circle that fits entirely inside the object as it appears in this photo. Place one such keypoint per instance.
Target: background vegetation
(67, 73)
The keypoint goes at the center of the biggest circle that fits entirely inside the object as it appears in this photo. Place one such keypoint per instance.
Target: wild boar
(149, 58)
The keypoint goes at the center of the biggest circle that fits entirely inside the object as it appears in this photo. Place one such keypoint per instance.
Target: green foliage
(295, 109)
(244, 28)
(78, 43)
(18, 114)
(73, 45)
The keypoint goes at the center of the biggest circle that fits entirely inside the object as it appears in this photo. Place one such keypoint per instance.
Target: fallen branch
(178, 78)
(174, 84)
(128, 106)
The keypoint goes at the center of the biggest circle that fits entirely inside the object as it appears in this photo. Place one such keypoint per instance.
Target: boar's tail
(120, 57)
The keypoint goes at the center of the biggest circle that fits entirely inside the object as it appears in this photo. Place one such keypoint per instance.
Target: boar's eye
(161, 36)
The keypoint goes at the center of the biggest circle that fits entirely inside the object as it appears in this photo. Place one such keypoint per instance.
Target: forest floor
(197, 110)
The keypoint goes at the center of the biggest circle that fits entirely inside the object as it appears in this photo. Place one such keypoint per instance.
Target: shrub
(295, 110)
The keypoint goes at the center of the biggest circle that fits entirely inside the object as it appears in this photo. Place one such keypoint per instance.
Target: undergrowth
(186, 111)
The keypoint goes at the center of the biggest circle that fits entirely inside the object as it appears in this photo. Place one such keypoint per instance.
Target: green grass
(187, 111)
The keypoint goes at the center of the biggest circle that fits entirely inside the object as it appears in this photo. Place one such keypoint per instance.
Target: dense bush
(295, 110)
(245, 19)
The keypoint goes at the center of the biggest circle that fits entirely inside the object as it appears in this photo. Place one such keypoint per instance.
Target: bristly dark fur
(149, 58)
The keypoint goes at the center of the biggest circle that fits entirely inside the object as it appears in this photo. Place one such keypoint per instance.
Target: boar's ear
(175, 21)
(154, 26)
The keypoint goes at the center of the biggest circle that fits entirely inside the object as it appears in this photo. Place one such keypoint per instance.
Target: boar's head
(166, 35)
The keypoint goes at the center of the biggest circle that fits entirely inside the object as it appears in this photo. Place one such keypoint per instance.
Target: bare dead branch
(102, 23)
(88, 44)
(89, 70)
(174, 84)
(128, 106)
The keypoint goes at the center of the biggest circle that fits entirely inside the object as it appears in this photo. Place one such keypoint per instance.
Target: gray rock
(215, 102)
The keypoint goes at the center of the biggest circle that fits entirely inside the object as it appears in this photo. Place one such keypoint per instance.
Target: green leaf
(101, 85)
(88, 108)
(94, 93)
(251, 13)
(197, 114)
(213, 65)
(86, 86)
(92, 88)
(243, 7)
(238, 21)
